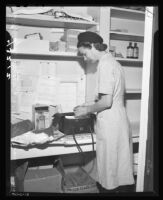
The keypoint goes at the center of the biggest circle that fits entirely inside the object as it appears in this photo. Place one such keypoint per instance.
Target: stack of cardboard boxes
(71, 39)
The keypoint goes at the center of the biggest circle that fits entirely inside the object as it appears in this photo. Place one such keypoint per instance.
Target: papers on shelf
(32, 10)
(45, 10)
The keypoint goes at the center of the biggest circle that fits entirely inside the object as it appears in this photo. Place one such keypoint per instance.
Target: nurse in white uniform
(113, 135)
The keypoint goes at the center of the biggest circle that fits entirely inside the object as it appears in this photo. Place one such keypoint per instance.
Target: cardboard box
(71, 36)
(43, 180)
(72, 33)
(57, 46)
(77, 180)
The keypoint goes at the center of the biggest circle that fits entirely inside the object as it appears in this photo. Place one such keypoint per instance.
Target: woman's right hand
(80, 111)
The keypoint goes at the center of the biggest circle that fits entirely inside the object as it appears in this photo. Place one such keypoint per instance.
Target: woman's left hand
(80, 111)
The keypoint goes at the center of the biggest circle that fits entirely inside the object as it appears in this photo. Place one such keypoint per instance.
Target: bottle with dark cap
(136, 50)
(130, 50)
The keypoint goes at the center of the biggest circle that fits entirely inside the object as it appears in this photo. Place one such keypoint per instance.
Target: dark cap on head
(90, 37)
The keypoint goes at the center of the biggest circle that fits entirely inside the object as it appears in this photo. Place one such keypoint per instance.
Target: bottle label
(129, 53)
(136, 52)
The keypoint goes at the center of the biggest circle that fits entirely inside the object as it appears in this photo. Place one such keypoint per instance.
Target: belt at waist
(114, 105)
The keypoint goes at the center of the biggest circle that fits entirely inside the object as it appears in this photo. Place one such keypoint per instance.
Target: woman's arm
(104, 102)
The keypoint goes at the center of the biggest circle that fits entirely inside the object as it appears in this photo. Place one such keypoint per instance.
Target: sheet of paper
(67, 96)
(47, 69)
(26, 83)
(27, 67)
(25, 101)
(46, 91)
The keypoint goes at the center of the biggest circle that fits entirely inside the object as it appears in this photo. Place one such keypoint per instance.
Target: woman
(113, 138)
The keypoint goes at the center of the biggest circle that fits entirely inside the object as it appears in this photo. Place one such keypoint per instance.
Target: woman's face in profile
(88, 54)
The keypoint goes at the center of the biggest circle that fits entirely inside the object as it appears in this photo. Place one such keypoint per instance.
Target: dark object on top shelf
(34, 35)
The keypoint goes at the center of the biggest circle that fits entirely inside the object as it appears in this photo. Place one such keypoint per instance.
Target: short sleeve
(106, 78)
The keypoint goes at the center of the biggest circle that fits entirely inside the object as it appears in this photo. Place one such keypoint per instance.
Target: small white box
(29, 45)
(40, 116)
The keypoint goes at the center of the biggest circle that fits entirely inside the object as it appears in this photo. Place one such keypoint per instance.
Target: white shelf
(39, 20)
(133, 91)
(125, 13)
(50, 150)
(128, 59)
(42, 55)
(130, 62)
(114, 35)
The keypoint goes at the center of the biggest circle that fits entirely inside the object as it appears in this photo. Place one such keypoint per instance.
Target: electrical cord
(92, 139)
(78, 146)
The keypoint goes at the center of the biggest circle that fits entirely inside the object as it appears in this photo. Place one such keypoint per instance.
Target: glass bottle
(130, 50)
(136, 50)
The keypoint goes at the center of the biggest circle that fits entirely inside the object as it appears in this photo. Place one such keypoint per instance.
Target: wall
(28, 77)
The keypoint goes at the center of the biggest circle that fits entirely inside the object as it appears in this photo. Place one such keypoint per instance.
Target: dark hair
(98, 46)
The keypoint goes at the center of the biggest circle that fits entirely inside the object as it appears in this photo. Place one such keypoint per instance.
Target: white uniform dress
(113, 135)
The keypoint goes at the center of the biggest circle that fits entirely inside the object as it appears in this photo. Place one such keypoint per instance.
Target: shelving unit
(123, 26)
(44, 21)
